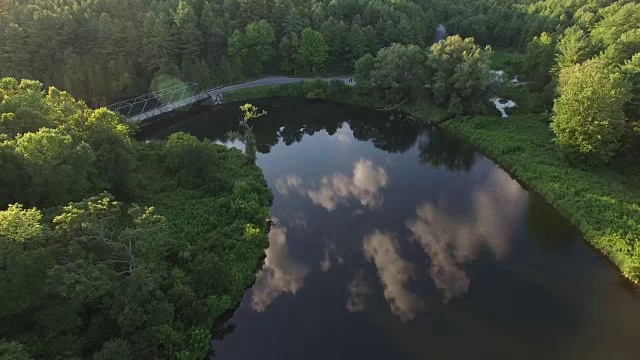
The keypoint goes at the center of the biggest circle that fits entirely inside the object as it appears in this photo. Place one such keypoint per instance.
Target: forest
(100, 50)
(107, 244)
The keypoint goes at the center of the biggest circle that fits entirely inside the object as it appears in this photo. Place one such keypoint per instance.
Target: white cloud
(394, 273)
(450, 242)
(280, 274)
(364, 185)
(283, 185)
(343, 138)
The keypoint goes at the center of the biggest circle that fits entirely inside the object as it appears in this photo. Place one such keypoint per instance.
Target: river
(395, 240)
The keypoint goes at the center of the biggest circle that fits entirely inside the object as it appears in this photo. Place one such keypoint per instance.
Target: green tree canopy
(253, 49)
(395, 75)
(458, 73)
(574, 47)
(588, 115)
(110, 248)
(539, 59)
(312, 53)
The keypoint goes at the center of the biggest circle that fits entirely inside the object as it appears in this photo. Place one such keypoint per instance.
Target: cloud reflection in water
(394, 273)
(450, 242)
(288, 182)
(280, 274)
(364, 185)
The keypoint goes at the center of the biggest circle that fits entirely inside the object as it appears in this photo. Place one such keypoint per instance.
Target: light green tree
(250, 112)
(312, 54)
(539, 59)
(18, 224)
(588, 115)
(574, 47)
(254, 48)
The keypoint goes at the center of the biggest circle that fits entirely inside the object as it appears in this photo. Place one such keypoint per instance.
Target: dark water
(396, 241)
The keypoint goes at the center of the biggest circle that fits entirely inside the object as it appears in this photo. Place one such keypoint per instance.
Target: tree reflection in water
(439, 149)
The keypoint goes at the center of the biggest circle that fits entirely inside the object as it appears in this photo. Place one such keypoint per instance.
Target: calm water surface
(394, 240)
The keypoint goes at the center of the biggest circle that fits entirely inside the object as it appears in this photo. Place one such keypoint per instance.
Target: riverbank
(600, 202)
(331, 91)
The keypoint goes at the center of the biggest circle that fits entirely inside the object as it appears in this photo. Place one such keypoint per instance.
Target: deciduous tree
(588, 115)
(312, 54)
(458, 72)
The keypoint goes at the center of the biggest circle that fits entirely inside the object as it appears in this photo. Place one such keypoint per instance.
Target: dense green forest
(105, 49)
(114, 48)
(107, 245)
(585, 72)
(113, 248)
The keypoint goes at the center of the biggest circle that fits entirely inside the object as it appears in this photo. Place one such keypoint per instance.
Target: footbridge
(163, 101)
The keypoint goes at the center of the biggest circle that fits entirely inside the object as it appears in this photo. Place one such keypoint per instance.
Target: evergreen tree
(190, 39)
(288, 53)
(573, 48)
(539, 59)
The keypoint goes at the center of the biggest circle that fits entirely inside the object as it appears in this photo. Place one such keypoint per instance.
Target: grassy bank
(316, 89)
(603, 204)
(336, 91)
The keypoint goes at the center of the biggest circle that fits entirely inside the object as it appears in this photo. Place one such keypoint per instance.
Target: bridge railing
(155, 103)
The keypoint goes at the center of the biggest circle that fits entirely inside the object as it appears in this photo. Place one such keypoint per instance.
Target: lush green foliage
(458, 73)
(114, 48)
(453, 73)
(251, 51)
(599, 201)
(396, 74)
(132, 264)
(539, 60)
(312, 53)
(589, 112)
(573, 48)
(109, 245)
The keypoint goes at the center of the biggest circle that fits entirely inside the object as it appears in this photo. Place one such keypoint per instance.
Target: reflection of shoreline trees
(442, 150)
(289, 120)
